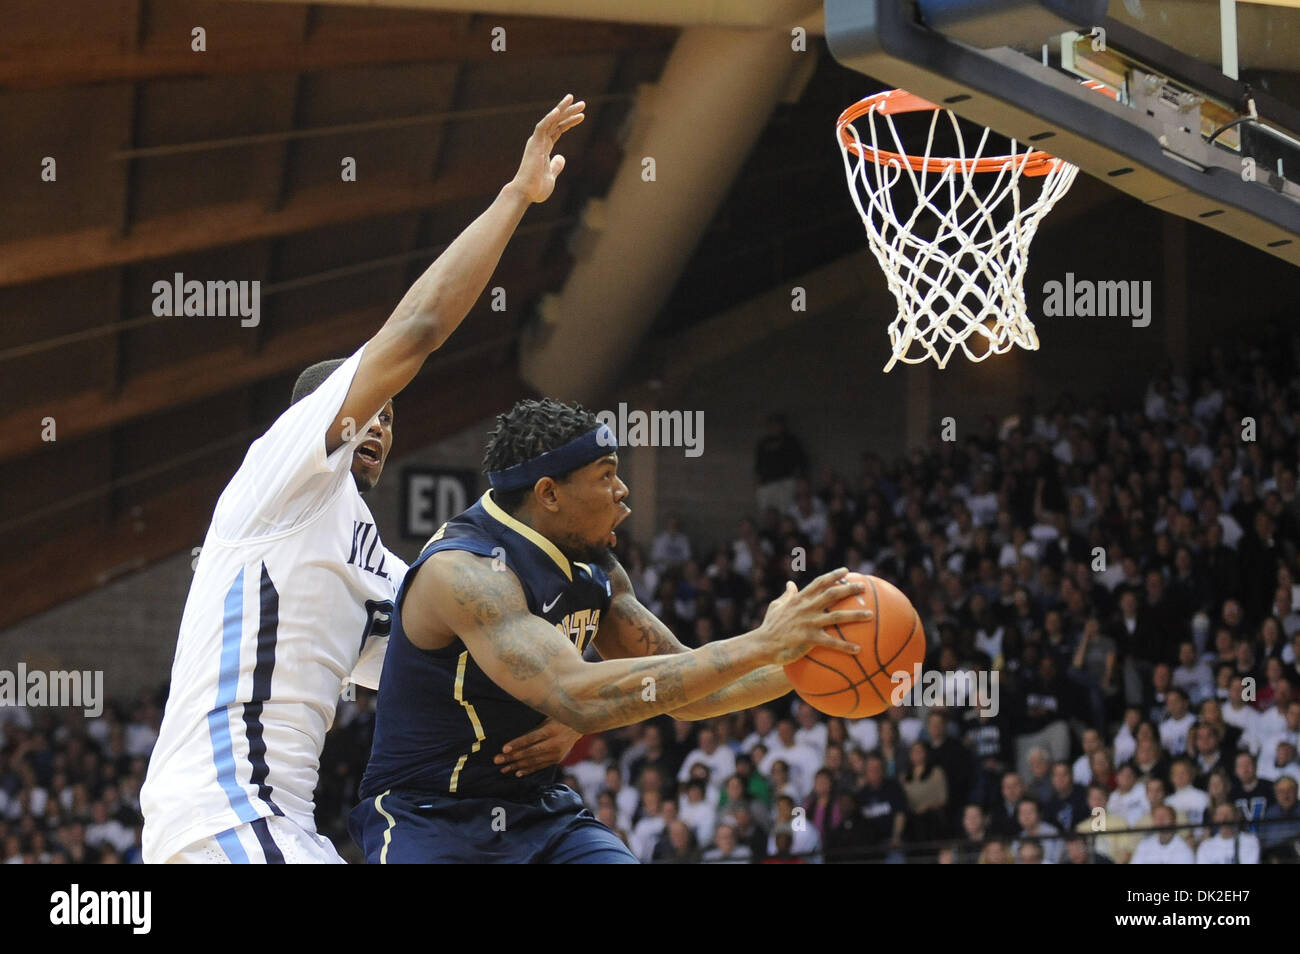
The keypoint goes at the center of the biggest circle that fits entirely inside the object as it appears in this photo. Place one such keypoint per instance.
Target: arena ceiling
(225, 165)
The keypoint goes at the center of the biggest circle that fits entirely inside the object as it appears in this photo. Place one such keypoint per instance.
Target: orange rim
(893, 102)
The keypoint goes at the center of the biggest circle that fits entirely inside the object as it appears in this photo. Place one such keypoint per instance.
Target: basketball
(848, 686)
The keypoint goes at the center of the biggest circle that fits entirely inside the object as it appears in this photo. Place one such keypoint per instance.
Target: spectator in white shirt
(1280, 723)
(1186, 797)
(982, 502)
(779, 779)
(142, 730)
(654, 818)
(626, 798)
(105, 830)
(21, 718)
(1124, 744)
(802, 760)
(698, 811)
(1163, 848)
(1199, 456)
(16, 806)
(864, 734)
(643, 576)
(1113, 575)
(764, 731)
(1282, 762)
(1231, 845)
(808, 513)
(39, 797)
(671, 547)
(1129, 800)
(590, 771)
(1173, 731)
(700, 773)
(1047, 529)
(1082, 770)
(1232, 531)
(811, 731)
(1031, 825)
(909, 726)
(1019, 546)
(959, 530)
(1290, 653)
(721, 761)
(1193, 676)
(1284, 611)
(1209, 402)
(1240, 714)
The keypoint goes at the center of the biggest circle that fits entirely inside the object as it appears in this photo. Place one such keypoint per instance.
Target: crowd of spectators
(1131, 575)
(70, 786)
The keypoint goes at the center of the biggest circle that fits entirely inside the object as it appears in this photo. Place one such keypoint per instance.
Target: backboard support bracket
(1161, 159)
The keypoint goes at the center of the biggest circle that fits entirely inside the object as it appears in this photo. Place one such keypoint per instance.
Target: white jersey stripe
(231, 845)
(223, 752)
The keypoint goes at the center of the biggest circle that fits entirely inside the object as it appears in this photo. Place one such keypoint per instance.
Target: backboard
(1204, 116)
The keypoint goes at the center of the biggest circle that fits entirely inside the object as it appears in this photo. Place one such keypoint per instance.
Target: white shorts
(274, 840)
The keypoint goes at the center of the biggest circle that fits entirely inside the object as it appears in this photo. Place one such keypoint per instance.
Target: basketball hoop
(955, 262)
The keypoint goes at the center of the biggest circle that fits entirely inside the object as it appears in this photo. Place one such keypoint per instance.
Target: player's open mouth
(371, 452)
(613, 537)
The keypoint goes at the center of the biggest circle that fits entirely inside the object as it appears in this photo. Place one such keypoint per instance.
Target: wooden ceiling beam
(216, 372)
(193, 230)
(441, 39)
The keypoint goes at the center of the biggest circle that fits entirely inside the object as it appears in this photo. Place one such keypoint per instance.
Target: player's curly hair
(528, 429)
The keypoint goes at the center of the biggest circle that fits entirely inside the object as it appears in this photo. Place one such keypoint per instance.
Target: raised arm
(630, 630)
(441, 298)
(531, 660)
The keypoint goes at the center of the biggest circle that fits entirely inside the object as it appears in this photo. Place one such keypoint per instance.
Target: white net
(954, 246)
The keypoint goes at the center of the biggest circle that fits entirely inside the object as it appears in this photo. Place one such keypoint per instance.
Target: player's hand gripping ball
(853, 686)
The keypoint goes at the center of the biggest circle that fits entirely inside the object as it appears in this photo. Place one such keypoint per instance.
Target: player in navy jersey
(487, 640)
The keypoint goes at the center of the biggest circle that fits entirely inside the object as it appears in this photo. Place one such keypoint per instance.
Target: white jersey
(291, 600)
(1242, 850)
(1150, 851)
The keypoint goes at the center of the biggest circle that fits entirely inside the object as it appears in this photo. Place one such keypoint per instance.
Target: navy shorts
(407, 828)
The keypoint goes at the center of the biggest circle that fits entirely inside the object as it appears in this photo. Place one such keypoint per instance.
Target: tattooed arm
(531, 660)
(631, 630)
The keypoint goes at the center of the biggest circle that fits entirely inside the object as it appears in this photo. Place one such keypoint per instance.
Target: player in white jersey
(293, 588)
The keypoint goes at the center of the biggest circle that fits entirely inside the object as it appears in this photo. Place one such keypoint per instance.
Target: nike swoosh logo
(546, 607)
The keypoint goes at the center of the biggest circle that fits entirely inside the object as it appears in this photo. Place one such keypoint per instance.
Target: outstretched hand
(538, 169)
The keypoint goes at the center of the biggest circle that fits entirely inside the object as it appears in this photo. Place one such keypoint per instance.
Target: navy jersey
(440, 720)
